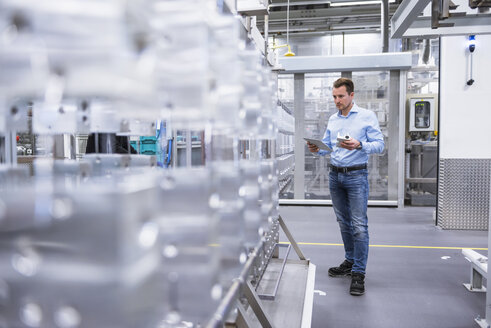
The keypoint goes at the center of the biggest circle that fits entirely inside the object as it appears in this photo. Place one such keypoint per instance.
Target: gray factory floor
(406, 287)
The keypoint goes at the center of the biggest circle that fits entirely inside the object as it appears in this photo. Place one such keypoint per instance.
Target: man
(348, 178)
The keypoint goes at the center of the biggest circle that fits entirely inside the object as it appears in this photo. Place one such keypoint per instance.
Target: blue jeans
(349, 193)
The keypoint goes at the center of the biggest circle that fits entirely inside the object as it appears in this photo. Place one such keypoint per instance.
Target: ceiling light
(357, 3)
(333, 3)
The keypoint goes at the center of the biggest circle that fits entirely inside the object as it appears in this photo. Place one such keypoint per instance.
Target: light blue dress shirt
(362, 125)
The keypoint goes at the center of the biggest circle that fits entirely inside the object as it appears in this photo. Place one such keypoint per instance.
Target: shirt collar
(354, 109)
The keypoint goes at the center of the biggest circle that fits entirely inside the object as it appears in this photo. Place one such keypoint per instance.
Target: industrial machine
(421, 149)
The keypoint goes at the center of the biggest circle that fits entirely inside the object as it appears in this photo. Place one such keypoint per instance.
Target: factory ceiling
(325, 17)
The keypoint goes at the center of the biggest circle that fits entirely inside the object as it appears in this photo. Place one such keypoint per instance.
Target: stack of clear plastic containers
(110, 241)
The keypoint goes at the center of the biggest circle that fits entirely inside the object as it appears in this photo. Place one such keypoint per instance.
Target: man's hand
(313, 148)
(350, 144)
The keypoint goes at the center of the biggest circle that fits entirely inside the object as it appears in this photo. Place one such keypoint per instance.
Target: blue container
(148, 140)
(148, 147)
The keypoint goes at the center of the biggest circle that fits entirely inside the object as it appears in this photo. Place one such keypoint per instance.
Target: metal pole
(11, 148)
(486, 322)
(225, 305)
(189, 148)
(445, 9)
(343, 43)
(266, 36)
(203, 148)
(435, 13)
(96, 142)
(402, 136)
(384, 24)
(255, 303)
(291, 239)
(393, 131)
(299, 112)
(488, 278)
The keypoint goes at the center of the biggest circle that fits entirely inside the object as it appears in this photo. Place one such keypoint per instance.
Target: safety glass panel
(371, 92)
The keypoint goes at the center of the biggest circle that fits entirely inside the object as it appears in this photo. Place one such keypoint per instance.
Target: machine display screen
(422, 117)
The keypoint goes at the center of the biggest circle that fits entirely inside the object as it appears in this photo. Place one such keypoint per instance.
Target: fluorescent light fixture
(300, 3)
(358, 3)
(331, 2)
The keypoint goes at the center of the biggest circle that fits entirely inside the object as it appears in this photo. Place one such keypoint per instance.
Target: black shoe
(344, 269)
(357, 287)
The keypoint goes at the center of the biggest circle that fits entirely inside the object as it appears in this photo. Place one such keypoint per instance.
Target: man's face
(342, 98)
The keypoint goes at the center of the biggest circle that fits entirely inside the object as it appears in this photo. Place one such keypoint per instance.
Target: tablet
(318, 143)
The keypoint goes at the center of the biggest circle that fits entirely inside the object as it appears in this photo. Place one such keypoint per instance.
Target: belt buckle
(344, 170)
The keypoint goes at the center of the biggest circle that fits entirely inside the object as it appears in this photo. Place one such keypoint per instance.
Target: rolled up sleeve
(375, 139)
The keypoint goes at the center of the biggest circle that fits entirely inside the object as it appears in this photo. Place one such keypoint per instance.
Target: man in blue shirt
(360, 133)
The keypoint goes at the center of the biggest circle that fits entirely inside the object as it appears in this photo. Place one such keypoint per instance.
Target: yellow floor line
(392, 246)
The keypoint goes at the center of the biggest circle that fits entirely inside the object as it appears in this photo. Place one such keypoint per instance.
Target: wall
(465, 111)
(465, 136)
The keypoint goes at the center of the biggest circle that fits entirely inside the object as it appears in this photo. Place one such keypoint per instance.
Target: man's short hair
(350, 87)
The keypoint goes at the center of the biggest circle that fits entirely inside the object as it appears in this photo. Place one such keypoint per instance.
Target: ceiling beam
(405, 15)
(462, 25)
